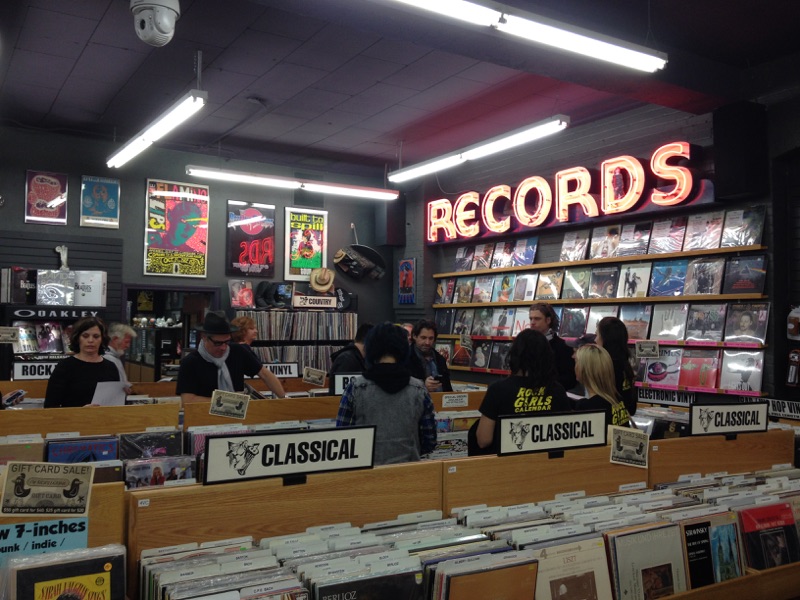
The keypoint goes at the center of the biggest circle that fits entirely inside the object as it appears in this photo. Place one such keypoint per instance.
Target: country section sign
(176, 229)
(250, 239)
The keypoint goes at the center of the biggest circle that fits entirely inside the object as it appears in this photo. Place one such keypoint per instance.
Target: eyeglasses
(219, 343)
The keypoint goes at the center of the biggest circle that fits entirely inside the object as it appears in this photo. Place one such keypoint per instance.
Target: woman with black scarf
(388, 397)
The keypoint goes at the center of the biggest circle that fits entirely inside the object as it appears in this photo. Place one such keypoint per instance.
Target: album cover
(483, 256)
(241, 293)
(444, 320)
(664, 370)
(81, 449)
(48, 335)
(576, 283)
(704, 231)
(464, 256)
(464, 289)
(445, 348)
(747, 323)
(669, 322)
(573, 321)
(741, 370)
(634, 280)
(700, 368)
(712, 545)
(462, 323)
(150, 444)
(634, 239)
(512, 580)
(481, 353)
(146, 472)
(705, 322)
(404, 585)
(704, 276)
(525, 252)
(636, 318)
(503, 321)
(549, 285)
(649, 562)
(745, 274)
(21, 449)
(770, 535)
(503, 287)
(482, 322)
(96, 573)
(108, 471)
(603, 282)
(605, 241)
(522, 320)
(744, 227)
(668, 277)
(482, 292)
(525, 287)
(575, 245)
(444, 290)
(55, 288)
(28, 342)
(23, 285)
(498, 360)
(667, 236)
(598, 312)
(503, 256)
(573, 570)
(462, 352)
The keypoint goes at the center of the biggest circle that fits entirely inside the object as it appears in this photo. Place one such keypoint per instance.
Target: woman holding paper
(74, 379)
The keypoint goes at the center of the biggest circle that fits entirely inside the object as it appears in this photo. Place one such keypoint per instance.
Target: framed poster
(306, 242)
(46, 198)
(99, 202)
(250, 239)
(176, 229)
(407, 273)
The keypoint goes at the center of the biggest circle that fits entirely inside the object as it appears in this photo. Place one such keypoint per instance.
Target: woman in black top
(613, 336)
(75, 378)
(594, 370)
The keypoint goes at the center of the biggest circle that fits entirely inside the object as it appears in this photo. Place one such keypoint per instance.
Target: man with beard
(545, 321)
(424, 362)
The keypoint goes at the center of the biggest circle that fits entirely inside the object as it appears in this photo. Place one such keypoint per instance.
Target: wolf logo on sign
(519, 431)
(241, 454)
(706, 414)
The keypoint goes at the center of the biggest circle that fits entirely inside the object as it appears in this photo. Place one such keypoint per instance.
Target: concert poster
(250, 239)
(306, 242)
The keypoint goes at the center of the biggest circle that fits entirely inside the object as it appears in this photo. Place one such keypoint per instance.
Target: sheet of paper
(109, 393)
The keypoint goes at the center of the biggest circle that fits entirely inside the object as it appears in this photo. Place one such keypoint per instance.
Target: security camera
(154, 20)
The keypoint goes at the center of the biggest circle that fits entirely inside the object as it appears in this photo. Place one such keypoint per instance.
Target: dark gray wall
(22, 150)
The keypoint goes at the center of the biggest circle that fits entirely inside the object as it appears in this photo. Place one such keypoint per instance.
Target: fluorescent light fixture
(549, 32)
(179, 112)
(572, 39)
(512, 139)
(322, 187)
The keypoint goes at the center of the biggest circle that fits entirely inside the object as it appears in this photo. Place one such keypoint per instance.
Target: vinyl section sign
(549, 433)
(716, 419)
(283, 454)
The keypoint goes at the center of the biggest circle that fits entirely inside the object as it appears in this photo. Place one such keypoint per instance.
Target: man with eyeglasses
(220, 364)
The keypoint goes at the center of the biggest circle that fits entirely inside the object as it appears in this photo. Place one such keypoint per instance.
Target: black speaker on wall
(390, 222)
(741, 151)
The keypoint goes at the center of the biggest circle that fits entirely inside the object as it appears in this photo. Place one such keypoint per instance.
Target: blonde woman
(595, 370)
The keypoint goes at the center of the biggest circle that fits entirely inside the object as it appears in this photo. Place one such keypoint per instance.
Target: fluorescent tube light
(547, 31)
(322, 187)
(564, 37)
(179, 112)
(500, 143)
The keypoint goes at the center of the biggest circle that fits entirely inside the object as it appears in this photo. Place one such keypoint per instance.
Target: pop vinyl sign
(534, 203)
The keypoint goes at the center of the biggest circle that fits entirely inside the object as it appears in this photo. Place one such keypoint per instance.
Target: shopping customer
(544, 320)
(612, 334)
(595, 371)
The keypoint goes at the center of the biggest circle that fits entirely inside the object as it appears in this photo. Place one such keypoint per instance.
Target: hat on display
(321, 280)
(586, 338)
(215, 323)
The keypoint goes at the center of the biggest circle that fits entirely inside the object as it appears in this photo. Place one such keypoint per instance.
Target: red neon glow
(487, 209)
(440, 216)
(579, 195)
(615, 172)
(544, 201)
(464, 214)
(681, 175)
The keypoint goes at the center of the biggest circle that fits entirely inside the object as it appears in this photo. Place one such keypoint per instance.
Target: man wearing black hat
(219, 364)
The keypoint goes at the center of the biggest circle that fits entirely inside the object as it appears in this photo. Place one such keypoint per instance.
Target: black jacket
(346, 360)
(418, 370)
(565, 364)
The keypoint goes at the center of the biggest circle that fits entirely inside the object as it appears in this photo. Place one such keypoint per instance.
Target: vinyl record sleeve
(770, 535)
(525, 287)
(463, 260)
(664, 370)
(669, 321)
(605, 241)
(445, 348)
(667, 236)
(525, 252)
(700, 368)
(483, 256)
(101, 575)
(482, 292)
(503, 321)
(503, 287)
(636, 318)
(634, 280)
(150, 444)
(498, 359)
(573, 321)
(705, 322)
(482, 322)
(573, 570)
(462, 323)
(464, 289)
(81, 449)
(575, 245)
(745, 275)
(503, 255)
(481, 353)
(668, 277)
(741, 370)
(704, 231)
(743, 227)
(603, 283)
(549, 286)
(576, 283)
(598, 312)
(511, 582)
(704, 276)
(397, 586)
(444, 320)
(713, 549)
(747, 323)
(444, 290)
(634, 239)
